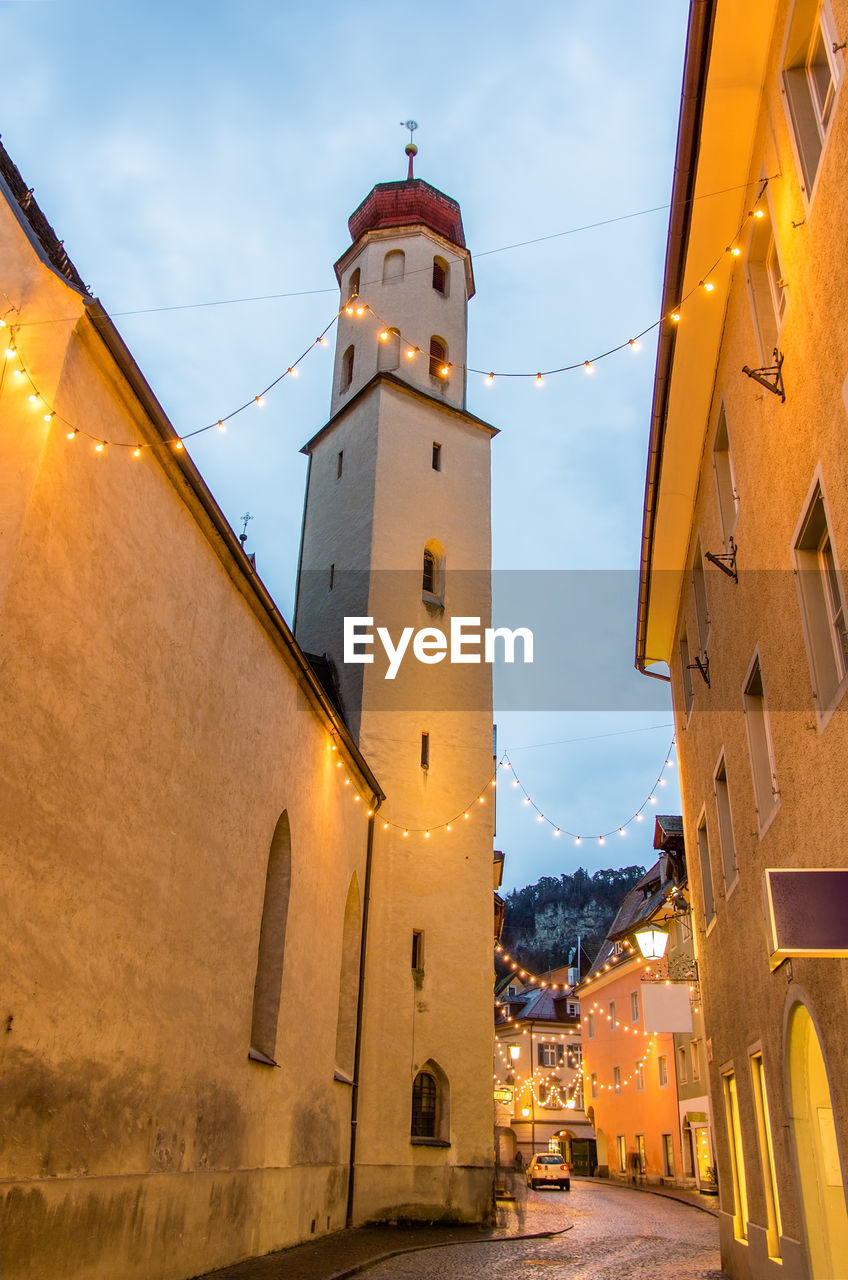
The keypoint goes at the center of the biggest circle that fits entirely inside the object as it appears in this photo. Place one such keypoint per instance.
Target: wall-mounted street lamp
(514, 1052)
(652, 942)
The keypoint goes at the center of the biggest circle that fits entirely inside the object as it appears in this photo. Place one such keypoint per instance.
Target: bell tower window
(440, 276)
(438, 358)
(347, 369)
(353, 283)
(394, 266)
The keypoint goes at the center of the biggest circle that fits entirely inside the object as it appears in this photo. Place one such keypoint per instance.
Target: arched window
(430, 1122)
(432, 573)
(388, 356)
(348, 983)
(393, 266)
(438, 358)
(425, 1095)
(353, 283)
(440, 276)
(347, 370)
(272, 945)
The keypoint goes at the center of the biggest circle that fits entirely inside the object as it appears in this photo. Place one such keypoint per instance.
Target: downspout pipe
(360, 1002)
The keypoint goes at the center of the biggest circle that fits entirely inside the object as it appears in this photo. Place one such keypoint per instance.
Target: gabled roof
(52, 246)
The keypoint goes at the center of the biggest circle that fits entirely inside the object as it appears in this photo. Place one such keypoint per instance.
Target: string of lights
(560, 830)
(357, 307)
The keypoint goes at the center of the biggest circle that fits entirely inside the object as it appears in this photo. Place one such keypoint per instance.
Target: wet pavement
(597, 1231)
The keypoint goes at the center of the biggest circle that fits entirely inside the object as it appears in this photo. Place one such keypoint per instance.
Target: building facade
(742, 600)
(194, 846)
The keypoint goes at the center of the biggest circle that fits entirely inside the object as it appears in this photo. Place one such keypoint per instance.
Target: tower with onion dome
(397, 530)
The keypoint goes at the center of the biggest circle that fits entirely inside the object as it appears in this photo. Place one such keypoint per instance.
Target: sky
(197, 152)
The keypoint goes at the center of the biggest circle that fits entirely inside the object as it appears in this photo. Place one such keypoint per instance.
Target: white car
(546, 1169)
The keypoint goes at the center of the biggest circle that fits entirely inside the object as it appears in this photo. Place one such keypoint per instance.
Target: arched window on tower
(433, 575)
(430, 1106)
(353, 283)
(438, 358)
(393, 266)
(389, 354)
(441, 276)
(347, 369)
(272, 946)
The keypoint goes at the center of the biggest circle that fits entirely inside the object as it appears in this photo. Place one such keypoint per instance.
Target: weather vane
(243, 535)
(410, 148)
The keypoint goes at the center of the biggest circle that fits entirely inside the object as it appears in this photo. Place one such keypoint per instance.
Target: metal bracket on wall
(725, 561)
(703, 667)
(770, 376)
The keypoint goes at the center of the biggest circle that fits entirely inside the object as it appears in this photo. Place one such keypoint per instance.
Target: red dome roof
(403, 204)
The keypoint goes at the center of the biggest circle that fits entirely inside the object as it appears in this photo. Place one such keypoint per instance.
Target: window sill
(430, 597)
(255, 1056)
(429, 1142)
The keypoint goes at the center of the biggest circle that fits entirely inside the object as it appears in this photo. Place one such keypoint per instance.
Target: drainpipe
(360, 1000)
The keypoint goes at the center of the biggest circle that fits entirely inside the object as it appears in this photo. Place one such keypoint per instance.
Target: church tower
(396, 533)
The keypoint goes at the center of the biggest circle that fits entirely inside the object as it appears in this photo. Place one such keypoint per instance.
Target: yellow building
(742, 599)
(193, 837)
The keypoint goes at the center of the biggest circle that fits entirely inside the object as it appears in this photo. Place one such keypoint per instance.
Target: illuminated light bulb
(100, 446)
(448, 827)
(515, 782)
(669, 764)
(348, 310)
(322, 342)
(370, 813)
(136, 453)
(347, 782)
(638, 817)
(48, 417)
(73, 433)
(445, 370)
(540, 381)
(259, 400)
(34, 397)
(708, 286)
(493, 783)
(356, 799)
(295, 373)
(2, 324)
(385, 826)
(758, 213)
(577, 839)
(675, 316)
(481, 799)
(735, 250)
(661, 782)
(490, 380)
(557, 831)
(222, 426)
(178, 444)
(338, 762)
(541, 818)
(505, 764)
(601, 840)
(426, 835)
(384, 336)
(410, 353)
(621, 831)
(16, 373)
(360, 311)
(652, 799)
(587, 365)
(637, 346)
(406, 833)
(10, 353)
(526, 799)
(466, 815)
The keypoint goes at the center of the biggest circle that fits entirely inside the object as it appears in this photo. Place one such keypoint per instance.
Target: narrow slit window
(339, 464)
(728, 498)
(686, 673)
(425, 751)
(332, 575)
(347, 369)
(353, 283)
(428, 578)
(699, 586)
(424, 1105)
(417, 950)
(437, 456)
(707, 893)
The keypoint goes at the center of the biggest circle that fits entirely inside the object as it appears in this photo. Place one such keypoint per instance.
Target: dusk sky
(193, 153)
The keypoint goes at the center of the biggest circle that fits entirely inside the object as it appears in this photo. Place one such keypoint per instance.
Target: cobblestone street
(608, 1233)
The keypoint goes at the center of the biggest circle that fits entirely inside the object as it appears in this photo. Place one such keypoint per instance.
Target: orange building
(630, 1086)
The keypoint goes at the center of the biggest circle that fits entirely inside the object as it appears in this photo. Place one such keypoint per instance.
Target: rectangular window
(695, 1051)
(822, 603)
(621, 1147)
(682, 1073)
(699, 587)
(725, 825)
(773, 1230)
(437, 456)
(339, 463)
(809, 78)
(594, 1085)
(612, 1015)
(760, 745)
(668, 1155)
(639, 1075)
(616, 1079)
(662, 1070)
(425, 751)
(737, 1161)
(728, 498)
(641, 1154)
(686, 673)
(547, 1055)
(634, 1006)
(706, 871)
(765, 281)
(590, 1025)
(418, 950)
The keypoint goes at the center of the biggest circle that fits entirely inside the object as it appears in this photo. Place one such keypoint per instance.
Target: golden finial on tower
(410, 148)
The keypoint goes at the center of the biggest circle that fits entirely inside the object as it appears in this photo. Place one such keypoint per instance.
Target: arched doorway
(819, 1166)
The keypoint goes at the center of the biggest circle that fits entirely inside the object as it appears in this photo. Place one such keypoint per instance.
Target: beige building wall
(157, 721)
(782, 1199)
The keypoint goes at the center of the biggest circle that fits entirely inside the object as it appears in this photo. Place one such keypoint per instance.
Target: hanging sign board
(666, 1006)
(806, 913)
